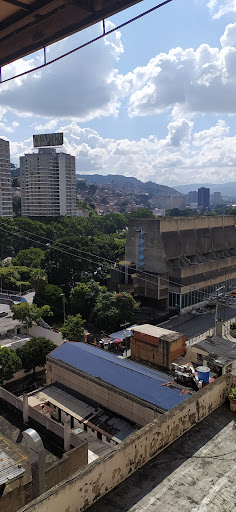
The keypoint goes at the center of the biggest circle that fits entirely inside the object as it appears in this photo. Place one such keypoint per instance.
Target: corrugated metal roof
(9, 469)
(133, 378)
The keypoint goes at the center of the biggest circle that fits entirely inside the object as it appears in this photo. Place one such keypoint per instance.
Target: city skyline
(155, 101)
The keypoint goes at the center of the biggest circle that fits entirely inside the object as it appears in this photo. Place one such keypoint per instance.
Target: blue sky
(155, 100)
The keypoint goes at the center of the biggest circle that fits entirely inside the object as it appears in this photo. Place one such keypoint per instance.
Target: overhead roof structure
(29, 25)
(136, 379)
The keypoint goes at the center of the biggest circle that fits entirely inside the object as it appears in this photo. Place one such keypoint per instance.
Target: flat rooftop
(200, 323)
(196, 473)
(221, 350)
(137, 380)
(157, 332)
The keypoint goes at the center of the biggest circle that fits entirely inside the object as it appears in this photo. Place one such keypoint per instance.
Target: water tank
(203, 373)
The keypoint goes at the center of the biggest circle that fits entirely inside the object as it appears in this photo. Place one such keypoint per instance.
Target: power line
(104, 34)
(98, 262)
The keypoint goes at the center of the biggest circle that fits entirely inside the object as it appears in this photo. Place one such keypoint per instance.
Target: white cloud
(219, 8)
(87, 85)
(182, 156)
(80, 86)
(187, 81)
(229, 36)
(50, 125)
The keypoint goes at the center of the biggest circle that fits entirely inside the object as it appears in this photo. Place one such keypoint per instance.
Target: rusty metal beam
(54, 25)
(22, 5)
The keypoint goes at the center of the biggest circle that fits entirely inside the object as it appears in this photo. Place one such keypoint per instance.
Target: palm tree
(38, 280)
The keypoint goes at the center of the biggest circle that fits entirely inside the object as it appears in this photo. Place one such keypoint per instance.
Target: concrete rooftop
(196, 473)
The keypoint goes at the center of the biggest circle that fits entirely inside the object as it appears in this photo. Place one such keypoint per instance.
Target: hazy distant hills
(226, 189)
(130, 185)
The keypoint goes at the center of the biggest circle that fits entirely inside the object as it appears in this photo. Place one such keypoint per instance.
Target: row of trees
(90, 302)
(28, 357)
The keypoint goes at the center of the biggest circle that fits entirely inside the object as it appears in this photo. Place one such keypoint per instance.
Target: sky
(155, 100)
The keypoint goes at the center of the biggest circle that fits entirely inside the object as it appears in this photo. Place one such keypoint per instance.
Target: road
(200, 323)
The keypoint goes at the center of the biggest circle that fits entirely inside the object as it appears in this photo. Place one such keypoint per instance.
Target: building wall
(193, 253)
(155, 350)
(132, 408)
(37, 330)
(6, 206)
(48, 184)
(87, 486)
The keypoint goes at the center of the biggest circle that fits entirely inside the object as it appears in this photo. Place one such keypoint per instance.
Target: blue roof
(133, 378)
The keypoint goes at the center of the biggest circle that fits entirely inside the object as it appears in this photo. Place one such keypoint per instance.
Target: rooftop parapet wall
(88, 485)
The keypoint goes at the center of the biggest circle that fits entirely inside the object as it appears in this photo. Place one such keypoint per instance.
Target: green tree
(38, 279)
(32, 257)
(51, 295)
(10, 363)
(73, 328)
(83, 297)
(29, 313)
(113, 310)
(34, 352)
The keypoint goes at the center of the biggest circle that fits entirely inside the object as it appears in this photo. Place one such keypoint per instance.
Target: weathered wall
(47, 422)
(156, 350)
(56, 337)
(81, 490)
(71, 462)
(12, 501)
(115, 400)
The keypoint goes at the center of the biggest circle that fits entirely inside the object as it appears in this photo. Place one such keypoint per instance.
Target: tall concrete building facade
(181, 261)
(6, 208)
(48, 184)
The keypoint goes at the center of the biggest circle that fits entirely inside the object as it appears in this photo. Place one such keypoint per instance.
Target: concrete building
(170, 201)
(217, 198)
(124, 387)
(203, 197)
(48, 184)
(6, 208)
(180, 261)
(192, 197)
(156, 345)
(180, 460)
(219, 354)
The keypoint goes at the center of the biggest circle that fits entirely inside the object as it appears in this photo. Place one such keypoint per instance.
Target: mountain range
(128, 184)
(227, 189)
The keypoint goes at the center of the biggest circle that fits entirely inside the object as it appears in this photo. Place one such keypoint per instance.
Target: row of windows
(195, 296)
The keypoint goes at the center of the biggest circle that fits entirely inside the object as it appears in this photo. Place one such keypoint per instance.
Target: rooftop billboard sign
(47, 139)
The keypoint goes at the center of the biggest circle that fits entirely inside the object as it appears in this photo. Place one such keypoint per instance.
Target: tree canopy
(10, 363)
(34, 352)
(83, 297)
(51, 295)
(73, 328)
(112, 310)
(29, 313)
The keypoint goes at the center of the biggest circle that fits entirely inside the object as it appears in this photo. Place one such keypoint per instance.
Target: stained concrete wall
(155, 350)
(85, 487)
(122, 403)
(56, 337)
(167, 240)
(12, 501)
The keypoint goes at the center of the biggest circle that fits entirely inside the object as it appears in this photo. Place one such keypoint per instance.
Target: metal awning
(9, 469)
(29, 25)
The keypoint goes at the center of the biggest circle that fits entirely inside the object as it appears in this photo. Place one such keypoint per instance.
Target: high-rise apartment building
(6, 208)
(48, 184)
(204, 197)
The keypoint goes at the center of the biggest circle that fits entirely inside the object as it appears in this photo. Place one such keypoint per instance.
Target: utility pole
(64, 306)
